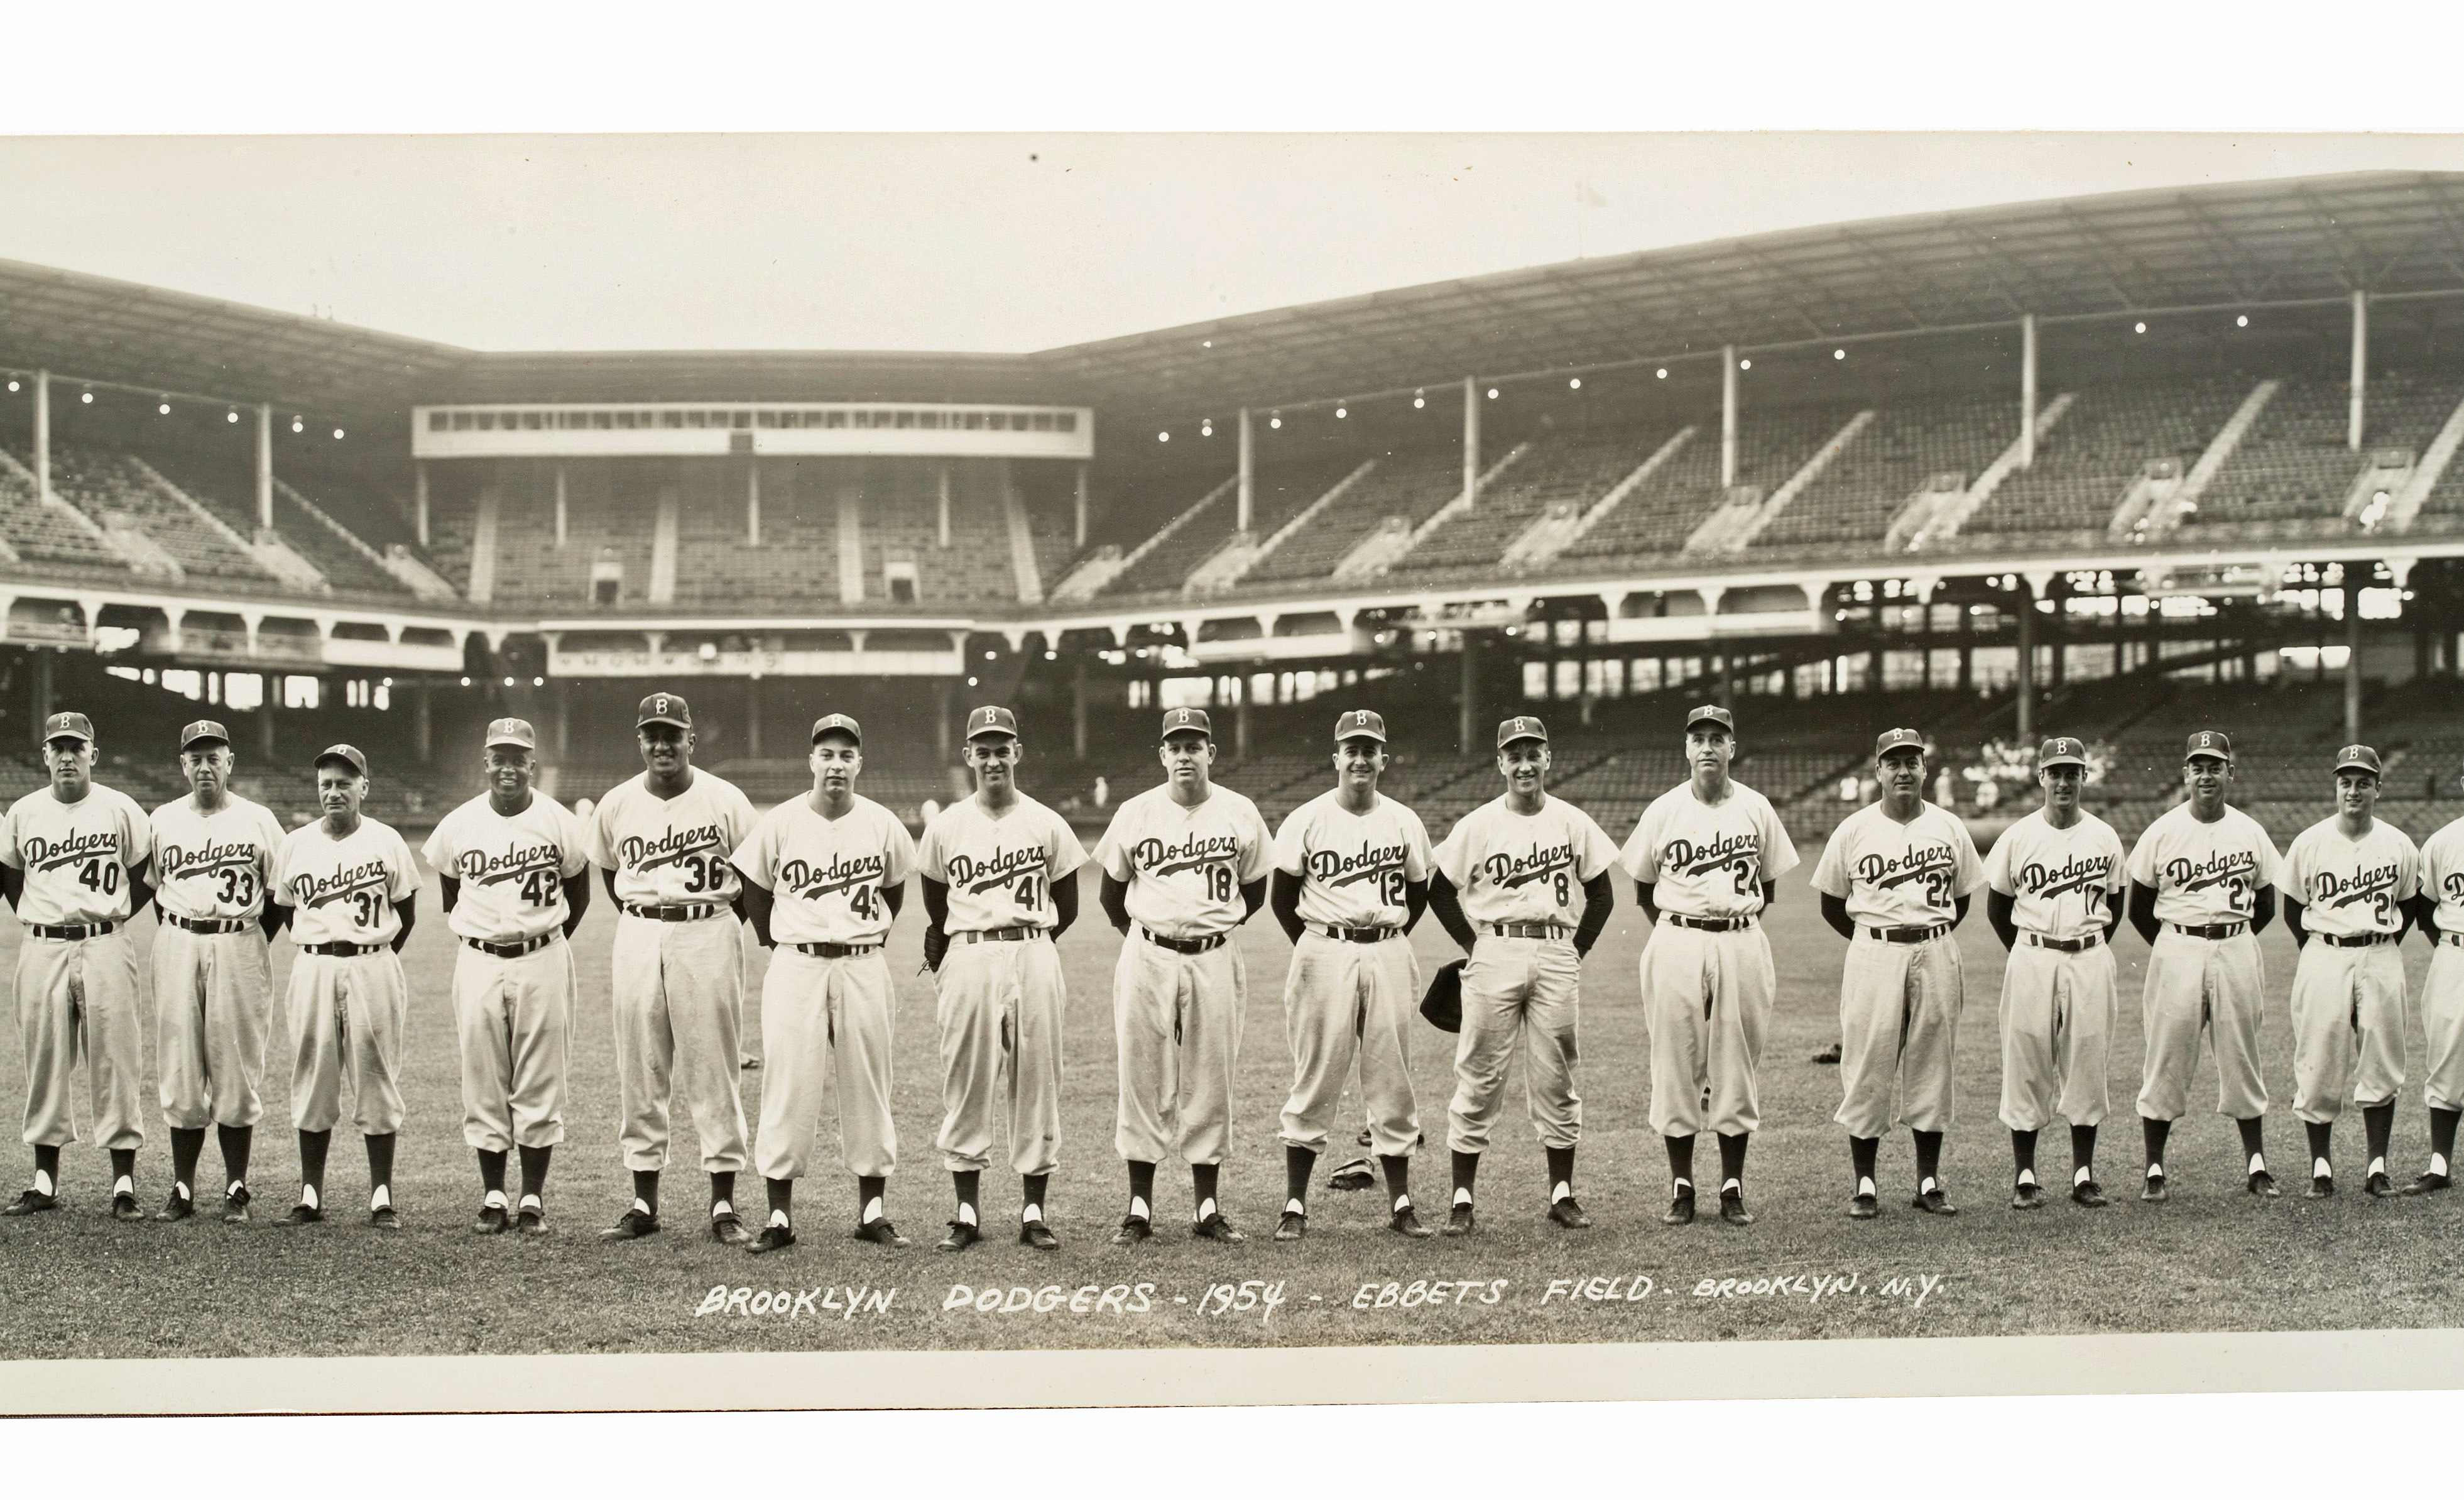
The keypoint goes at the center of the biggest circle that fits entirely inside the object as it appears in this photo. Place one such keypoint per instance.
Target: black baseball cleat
(729, 1229)
(881, 1233)
(1036, 1235)
(1215, 1226)
(385, 1218)
(2378, 1185)
(2155, 1192)
(634, 1225)
(179, 1206)
(531, 1221)
(1291, 1225)
(1934, 1202)
(2321, 1186)
(1828, 1056)
(123, 1207)
(2087, 1195)
(1680, 1209)
(2427, 1182)
(1733, 1209)
(1132, 1229)
(1407, 1223)
(961, 1235)
(235, 1204)
(303, 1213)
(493, 1220)
(2027, 1195)
(1457, 1221)
(1567, 1214)
(773, 1237)
(2262, 1184)
(31, 1202)
(1864, 1205)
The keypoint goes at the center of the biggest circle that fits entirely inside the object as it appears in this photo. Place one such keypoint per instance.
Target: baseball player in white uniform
(1351, 880)
(663, 841)
(823, 878)
(1184, 864)
(1000, 886)
(1705, 858)
(1896, 879)
(2054, 889)
(213, 969)
(2440, 910)
(1505, 887)
(2202, 887)
(515, 884)
(2349, 883)
(73, 861)
(350, 894)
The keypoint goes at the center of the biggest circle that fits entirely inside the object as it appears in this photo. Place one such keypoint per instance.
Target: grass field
(81, 1285)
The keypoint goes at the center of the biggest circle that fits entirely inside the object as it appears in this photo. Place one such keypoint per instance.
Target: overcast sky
(984, 242)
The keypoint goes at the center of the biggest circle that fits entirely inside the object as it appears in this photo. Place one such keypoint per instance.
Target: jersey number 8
(1219, 882)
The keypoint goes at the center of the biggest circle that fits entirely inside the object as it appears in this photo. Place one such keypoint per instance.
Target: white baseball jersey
(2205, 874)
(76, 855)
(513, 870)
(670, 852)
(1511, 866)
(1705, 861)
(827, 874)
(1000, 870)
(2348, 886)
(345, 890)
(218, 867)
(2442, 874)
(2062, 882)
(1900, 874)
(1185, 866)
(1353, 865)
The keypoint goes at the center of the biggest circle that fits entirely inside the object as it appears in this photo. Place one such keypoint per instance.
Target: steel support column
(264, 466)
(1470, 438)
(2360, 368)
(1248, 504)
(1727, 415)
(2027, 392)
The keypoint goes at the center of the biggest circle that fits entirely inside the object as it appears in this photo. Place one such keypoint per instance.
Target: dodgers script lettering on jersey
(2442, 874)
(217, 868)
(2061, 881)
(513, 870)
(827, 873)
(1511, 866)
(1000, 870)
(2348, 887)
(1705, 861)
(1185, 866)
(76, 855)
(1894, 874)
(2205, 874)
(1353, 866)
(345, 890)
(672, 852)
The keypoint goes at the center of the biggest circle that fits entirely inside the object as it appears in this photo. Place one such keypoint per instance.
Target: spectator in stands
(1103, 791)
(1989, 794)
(1848, 788)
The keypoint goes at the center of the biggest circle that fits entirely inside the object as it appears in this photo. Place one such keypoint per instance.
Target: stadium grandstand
(2120, 467)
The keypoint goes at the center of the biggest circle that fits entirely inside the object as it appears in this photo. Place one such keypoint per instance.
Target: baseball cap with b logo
(2356, 758)
(200, 730)
(1360, 725)
(2213, 742)
(664, 708)
(1187, 722)
(1522, 726)
(2061, 750)
(1712, 714)
(349, 754)
(514, 732)
(838, 723)
(67, 726)
(1890, 739)
(991, 720)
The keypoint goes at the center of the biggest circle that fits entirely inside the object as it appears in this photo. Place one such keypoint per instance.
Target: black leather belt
(1709, 924)
(2062, 945)
(76, 934)
(1355, 934)
(235, 924)
(1001, 934)
(510, 950)
(1905, 934)
(2455, 940)
(1205, 944)
(676, 914)
(836, 950)
(2216, 933)
(1528, 930)
(2356, 940)
(343, 949)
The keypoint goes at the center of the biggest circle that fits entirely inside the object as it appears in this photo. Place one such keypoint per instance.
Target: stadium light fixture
(2243, 321)
(1838, 353)
(299, 425)
(971, 682)
(992, 655)
(1663, 372)
(338, 434)
(233, 415)
(1745, 365)
(1492, 393)
(1419, 399)
(509, 682)
(537, 682)
(1163, 438)
(162, 407)
(2138, 328)
(1576, 384)
(12, 388)
(1206, 344)
(1339, 412)
(86, 395)
(466, 682)
(1206, 428)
